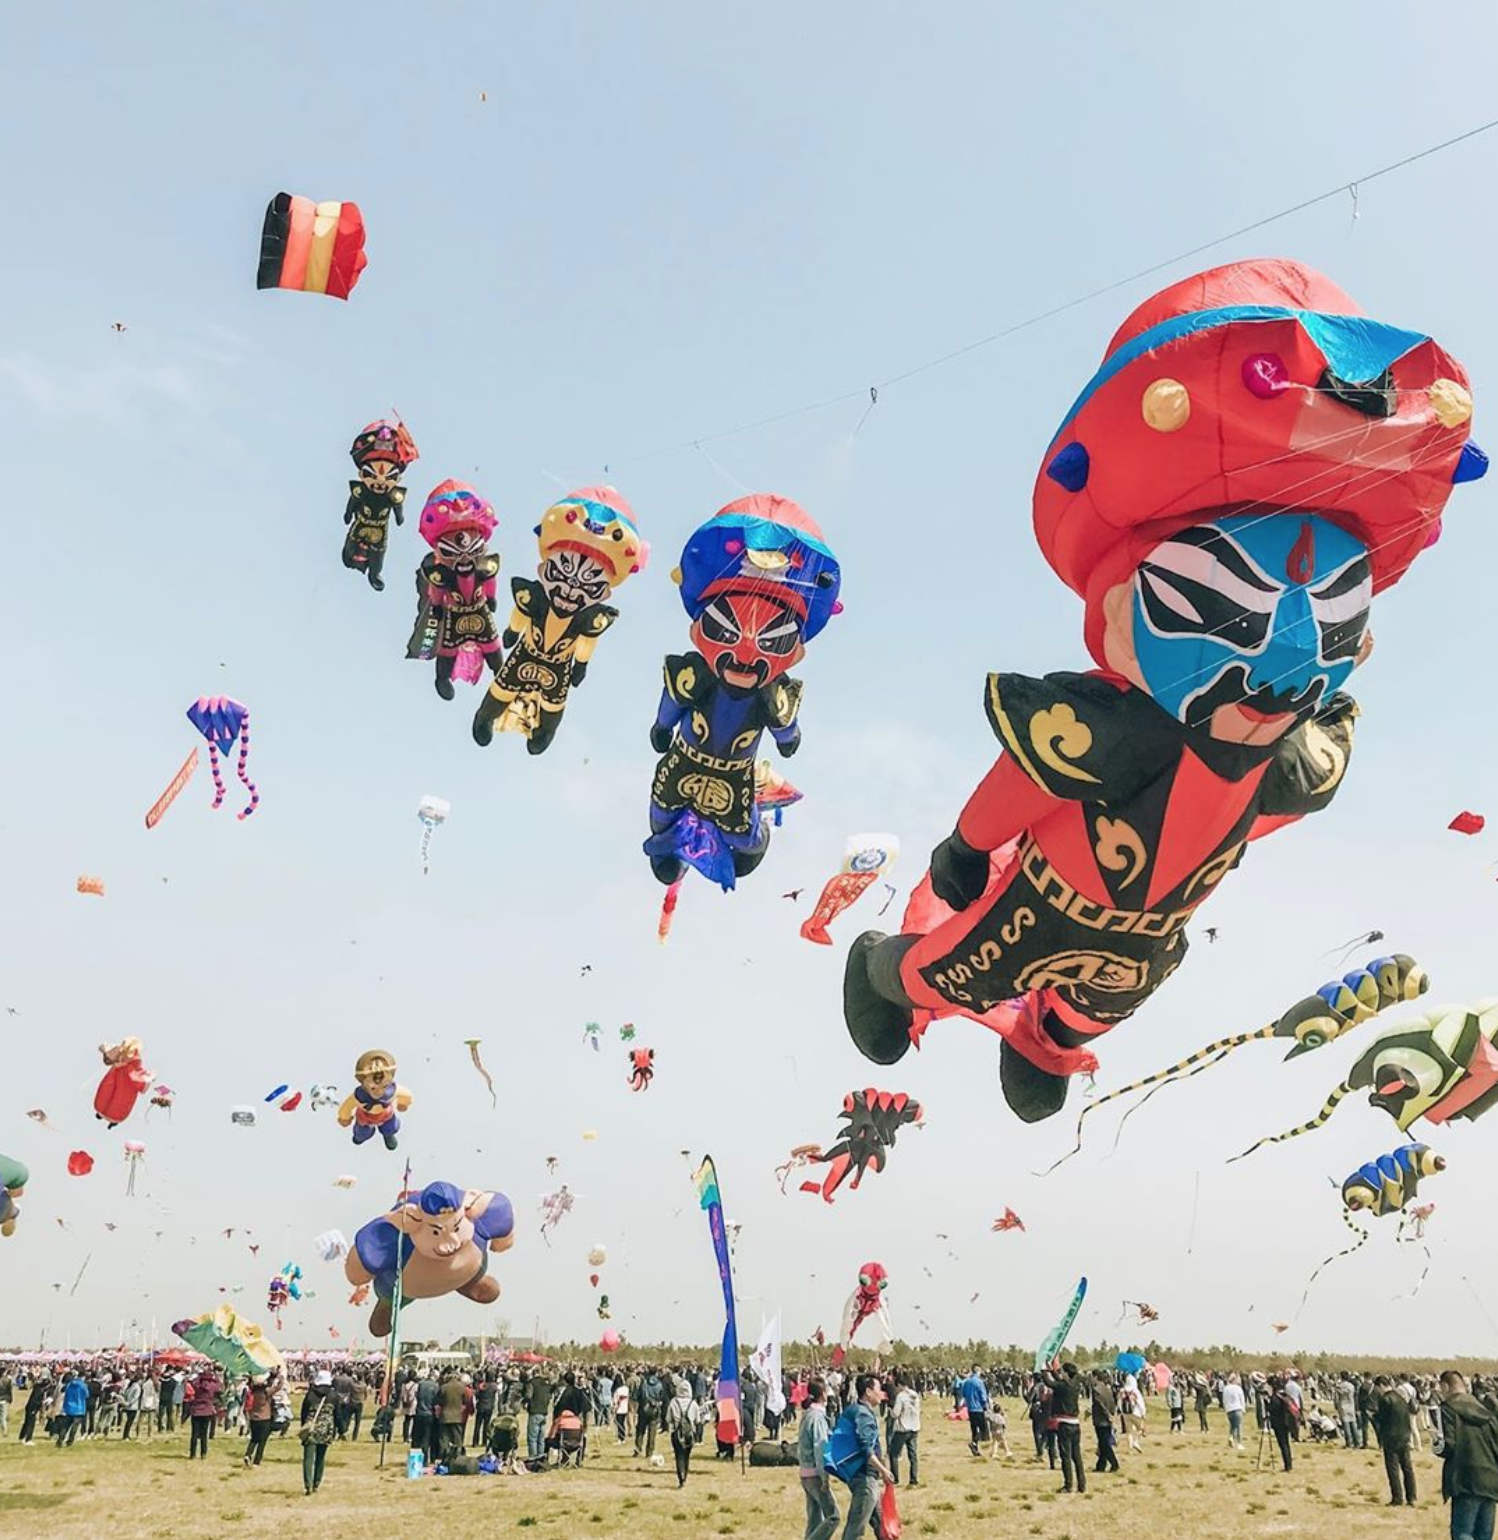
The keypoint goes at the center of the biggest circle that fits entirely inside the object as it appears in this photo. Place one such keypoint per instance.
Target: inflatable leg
(875, 1006)
(444, 679)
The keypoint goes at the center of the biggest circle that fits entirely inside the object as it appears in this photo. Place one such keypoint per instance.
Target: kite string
(1362, 1240)
(1074, 303)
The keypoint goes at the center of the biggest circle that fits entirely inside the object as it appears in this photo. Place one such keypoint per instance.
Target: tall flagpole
(395, 1321)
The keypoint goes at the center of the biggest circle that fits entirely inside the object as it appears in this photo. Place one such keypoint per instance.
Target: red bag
(889, 1514)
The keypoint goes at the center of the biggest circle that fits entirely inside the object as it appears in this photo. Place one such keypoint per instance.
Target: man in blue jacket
(864, 1471)
(74, 1408)
(975, 1398)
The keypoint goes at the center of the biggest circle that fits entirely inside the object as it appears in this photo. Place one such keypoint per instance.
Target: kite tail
(1328, 1107)
(668, 910)
(426, 845)
(1193, 1064)
(219, 789)
(242, 771)
(1347, 1251)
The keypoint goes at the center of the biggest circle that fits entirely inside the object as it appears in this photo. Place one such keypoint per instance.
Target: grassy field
(1190, 1486)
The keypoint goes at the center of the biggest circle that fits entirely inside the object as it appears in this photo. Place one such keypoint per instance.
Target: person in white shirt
(621, 1410)
(1233, 1403)
(905, 1430)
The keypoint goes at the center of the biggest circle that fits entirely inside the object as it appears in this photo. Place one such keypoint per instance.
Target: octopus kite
(1252, 462)
(758, 582)
(590, 544)
(381, 453)
(641, 1068)
(872, 1119)
(456, 587)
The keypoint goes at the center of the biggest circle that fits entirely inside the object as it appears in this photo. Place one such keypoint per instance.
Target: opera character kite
(758, 582)
(315, 247)
(381, 453)
(457, 587)
(590, 545)
(1253, 461)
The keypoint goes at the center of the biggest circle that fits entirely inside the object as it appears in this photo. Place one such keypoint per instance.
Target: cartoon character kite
(456, 587)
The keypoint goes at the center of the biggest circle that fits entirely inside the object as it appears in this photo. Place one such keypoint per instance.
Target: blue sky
(661, 223)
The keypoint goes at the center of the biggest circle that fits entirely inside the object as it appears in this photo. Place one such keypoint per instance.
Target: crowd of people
(842, 1431)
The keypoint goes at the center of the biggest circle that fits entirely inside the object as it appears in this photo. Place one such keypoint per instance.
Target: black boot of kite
(1033, 1094)
(667, 869)
(444, 677)
(876, 1009)
(490, 710)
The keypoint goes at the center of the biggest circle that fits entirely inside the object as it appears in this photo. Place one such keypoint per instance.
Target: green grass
(1192, 1485)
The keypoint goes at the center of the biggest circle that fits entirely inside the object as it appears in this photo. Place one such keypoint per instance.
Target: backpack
(842, 1455)
(652, 1392)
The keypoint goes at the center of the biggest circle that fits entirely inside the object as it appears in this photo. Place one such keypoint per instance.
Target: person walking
(1175, 1404)
(1131, 1413)
(864, 1469)
(1234, 1403)
(1469, 1456)
(318, 1429)
(1104, 1409)
(1066, 1412)
(7, 1396)
(74, 1408)
(905, 1429)
(621, 1411)
(150, 1405)
(683, 1419)
(258, 1413)
(974, 1395)
(1392, 1418)
(36, 1400)
(202, 1407)
(821, 1508)
(650, 1402)
(1203, 1401)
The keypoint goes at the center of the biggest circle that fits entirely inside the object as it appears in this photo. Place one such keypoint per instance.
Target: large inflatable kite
(1386, 1185)
(589, 545)
(1438, 1066)
(433, 1242)
(759, 582)
(457, 587)
(237, 1345)
(381, 452)
(125, 1077)
(13, 1179)
(224, 723)
(866, 1302)
(315, 247)
(1252, 462)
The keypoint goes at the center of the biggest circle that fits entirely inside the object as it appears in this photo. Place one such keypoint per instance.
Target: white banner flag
(766, 1365)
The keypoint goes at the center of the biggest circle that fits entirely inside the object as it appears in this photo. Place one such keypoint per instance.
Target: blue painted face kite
(1245, 626)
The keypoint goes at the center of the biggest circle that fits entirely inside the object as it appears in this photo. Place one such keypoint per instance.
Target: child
(998, 1432)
